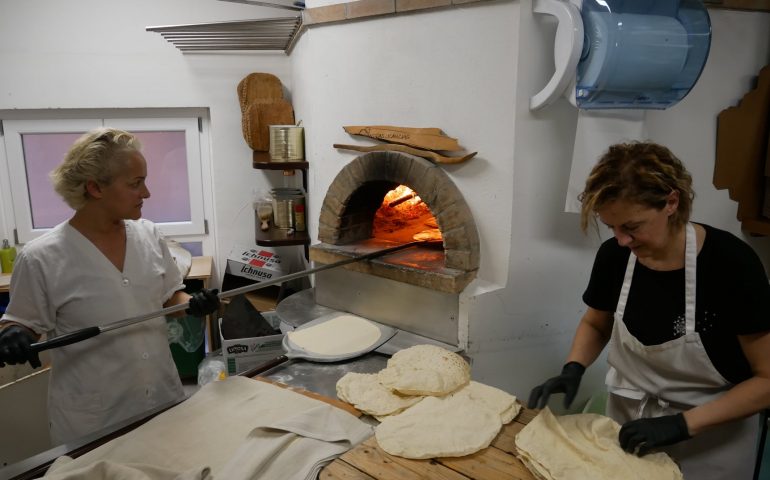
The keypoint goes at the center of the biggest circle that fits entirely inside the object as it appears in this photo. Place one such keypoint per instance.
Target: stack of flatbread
(585, 447)
(427, 404)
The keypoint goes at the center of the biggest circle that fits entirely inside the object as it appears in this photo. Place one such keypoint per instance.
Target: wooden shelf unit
(276, 237)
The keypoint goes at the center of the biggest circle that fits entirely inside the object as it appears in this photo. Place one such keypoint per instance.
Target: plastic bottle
(7, 256)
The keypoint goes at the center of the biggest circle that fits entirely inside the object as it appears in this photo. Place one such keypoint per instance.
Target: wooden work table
(368, 461)
(200, 269)
(5, 282)
(364, 462)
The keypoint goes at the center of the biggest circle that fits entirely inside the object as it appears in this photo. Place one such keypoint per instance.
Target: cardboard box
(258, 264)
(241, 354)
(742, 159)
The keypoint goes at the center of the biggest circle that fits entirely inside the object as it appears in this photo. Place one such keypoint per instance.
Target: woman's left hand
(643, 435)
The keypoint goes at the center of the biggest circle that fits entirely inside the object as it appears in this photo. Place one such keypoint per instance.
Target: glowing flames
(403, 215)
(405, 202)
(397, 193)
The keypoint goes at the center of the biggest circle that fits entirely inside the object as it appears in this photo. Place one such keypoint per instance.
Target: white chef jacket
(62, 283)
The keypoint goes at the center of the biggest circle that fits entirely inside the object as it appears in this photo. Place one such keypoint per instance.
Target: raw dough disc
(341, 335)
(425, 235)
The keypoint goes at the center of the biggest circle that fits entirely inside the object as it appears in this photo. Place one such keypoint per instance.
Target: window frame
(17, 168)
(20, 212)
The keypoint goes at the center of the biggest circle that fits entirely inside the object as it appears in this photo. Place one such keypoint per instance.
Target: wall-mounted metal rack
(262, 34)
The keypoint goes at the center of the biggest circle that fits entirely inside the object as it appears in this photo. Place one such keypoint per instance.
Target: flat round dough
(585, 447)
(364, 391)
(450, 426)
(425, 370)
(341, 335)
(425, 235)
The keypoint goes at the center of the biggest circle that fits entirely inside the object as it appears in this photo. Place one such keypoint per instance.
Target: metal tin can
(286, 201)
(287, 143)
(281, 213)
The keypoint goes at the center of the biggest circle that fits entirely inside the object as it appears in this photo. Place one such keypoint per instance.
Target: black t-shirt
(732, 298)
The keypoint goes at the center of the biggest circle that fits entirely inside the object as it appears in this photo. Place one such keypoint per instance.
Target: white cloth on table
(62, 283)
(109, 470)
(237, 428)
(296, 448)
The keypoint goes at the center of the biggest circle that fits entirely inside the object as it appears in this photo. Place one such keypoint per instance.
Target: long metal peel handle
(66, 339)
(265, 366)
(305, 273)
(89, 332)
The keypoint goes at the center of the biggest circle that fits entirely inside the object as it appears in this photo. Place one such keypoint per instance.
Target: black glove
(203, 302)
(643, 435)
(14, 346)
(567, 383)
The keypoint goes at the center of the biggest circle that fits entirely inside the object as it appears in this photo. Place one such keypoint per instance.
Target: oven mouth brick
(347, 215)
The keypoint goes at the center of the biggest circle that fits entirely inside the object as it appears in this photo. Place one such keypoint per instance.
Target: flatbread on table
(454, 425)
(498, 400)
(366, 393)
(585, 447)
(425, 370)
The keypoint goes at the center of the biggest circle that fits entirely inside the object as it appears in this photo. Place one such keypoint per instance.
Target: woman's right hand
(203, 302)
(567, 383)
(14, 346)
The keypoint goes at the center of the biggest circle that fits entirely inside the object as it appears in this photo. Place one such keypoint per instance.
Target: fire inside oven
(404, 217)
(369, 207)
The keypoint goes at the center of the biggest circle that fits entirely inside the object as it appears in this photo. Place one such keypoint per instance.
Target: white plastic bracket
(566, 49)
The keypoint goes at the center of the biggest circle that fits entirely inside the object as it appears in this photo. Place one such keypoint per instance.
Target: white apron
(656, 380)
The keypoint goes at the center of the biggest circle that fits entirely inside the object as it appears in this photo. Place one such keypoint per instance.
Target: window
(172, 147)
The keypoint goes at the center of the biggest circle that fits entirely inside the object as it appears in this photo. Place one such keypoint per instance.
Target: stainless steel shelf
(263, 34)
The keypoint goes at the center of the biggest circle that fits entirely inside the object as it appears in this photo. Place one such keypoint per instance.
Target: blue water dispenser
(640, 54)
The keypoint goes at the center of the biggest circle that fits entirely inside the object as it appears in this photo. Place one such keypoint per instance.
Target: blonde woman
(103, 264)
(684, 310)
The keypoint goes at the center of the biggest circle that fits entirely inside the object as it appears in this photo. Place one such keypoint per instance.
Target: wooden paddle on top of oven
(422, 142)
(389, 147)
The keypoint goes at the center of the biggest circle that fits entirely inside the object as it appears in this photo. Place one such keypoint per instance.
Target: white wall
(97, 54)
(458, 69)
(740, 47)
(550, 258)
(452, 69)
(462, 70)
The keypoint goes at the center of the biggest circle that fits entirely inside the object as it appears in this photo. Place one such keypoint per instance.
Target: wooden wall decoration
(262, 104)
(743, 156)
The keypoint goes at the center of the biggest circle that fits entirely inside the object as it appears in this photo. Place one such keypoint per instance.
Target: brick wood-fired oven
(416, 289)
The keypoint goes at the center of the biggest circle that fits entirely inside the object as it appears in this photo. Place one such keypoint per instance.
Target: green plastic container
(186, 340)
(7, 257)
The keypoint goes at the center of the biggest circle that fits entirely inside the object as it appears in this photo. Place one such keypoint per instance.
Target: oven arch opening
(347, 222)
